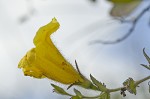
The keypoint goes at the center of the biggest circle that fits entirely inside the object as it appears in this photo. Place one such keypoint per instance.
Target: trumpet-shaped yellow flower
(46, 61)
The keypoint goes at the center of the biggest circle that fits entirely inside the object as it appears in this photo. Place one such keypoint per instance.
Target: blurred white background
(81, 23)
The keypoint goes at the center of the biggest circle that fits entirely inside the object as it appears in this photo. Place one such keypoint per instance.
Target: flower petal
(45, 60)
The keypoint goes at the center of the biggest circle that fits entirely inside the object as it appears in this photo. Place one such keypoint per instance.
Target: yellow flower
(46, 61)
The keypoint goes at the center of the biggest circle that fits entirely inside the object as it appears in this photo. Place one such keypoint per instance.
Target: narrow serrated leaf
(59, 90)
(104, 95)
(78, 93)
(100, 86)
(130, 85)
(146, 66)
(146, 56)
(76, 97)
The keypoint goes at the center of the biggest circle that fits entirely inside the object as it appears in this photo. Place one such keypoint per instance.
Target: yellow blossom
(46, 61)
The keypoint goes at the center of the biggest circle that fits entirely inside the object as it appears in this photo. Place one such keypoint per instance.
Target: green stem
(116, 89)
(136, 84)
(91, 97)
(142, 80)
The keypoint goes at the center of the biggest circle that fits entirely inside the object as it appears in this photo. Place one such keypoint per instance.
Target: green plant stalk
(136, 83)
(142, 80)
(118, 89)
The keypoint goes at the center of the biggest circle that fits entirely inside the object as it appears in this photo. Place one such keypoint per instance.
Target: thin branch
(90, 97)
(136, 84)
(134, 23)
(115, 90)
(142, 80)
(31, 11)
(149, 19)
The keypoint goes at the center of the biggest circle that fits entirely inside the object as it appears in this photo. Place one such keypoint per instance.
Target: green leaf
(104, 95)
(130, 85)
(59, 90)
(76, 97)
(123, 8)
(100, 86)
(78, 93)
(146, 66)
(147, 58)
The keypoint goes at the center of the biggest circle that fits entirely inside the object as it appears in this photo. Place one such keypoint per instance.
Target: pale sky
(81, 22)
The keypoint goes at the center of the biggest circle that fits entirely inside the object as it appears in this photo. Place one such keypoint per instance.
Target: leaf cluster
(129, 85)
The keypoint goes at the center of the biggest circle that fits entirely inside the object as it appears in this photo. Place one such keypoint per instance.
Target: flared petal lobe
(45, 60)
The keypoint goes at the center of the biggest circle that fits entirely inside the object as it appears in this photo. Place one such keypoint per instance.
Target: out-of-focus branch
(149, 19)
(130, 31)
(31, 11)
(93, 0)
